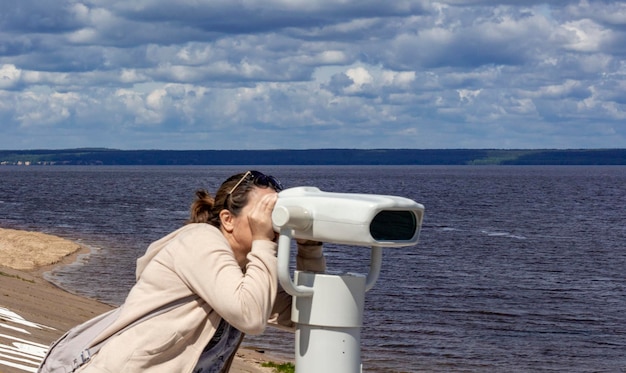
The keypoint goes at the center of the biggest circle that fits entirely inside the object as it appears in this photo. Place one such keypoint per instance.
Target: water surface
(518, 269)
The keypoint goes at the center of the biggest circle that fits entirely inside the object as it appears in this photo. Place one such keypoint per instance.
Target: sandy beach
(34, 312)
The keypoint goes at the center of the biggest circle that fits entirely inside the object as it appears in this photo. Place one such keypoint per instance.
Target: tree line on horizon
(102, 156)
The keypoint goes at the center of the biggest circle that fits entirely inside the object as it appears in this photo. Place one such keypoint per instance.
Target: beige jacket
(195, 259)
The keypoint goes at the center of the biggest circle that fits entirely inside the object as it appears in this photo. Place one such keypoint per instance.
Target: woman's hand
(260, 218)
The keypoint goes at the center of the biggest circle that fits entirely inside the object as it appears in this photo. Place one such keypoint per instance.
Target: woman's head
(232, 195)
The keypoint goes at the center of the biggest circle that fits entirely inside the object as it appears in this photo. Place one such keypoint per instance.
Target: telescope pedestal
(328, 323)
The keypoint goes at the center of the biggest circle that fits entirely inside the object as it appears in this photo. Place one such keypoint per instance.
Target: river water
(518, 269)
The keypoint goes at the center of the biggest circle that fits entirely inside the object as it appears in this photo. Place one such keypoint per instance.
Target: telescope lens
(390, 225)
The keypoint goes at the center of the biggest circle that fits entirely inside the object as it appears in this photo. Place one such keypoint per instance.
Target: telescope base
(328, 350)
(328, 323)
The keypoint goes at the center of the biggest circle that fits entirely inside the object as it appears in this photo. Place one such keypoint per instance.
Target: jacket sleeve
(309, 258)
(243, 297)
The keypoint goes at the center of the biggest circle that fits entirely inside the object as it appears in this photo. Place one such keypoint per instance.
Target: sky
(310, 74)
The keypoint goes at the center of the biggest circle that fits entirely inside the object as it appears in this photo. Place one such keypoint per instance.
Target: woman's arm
(244, 298)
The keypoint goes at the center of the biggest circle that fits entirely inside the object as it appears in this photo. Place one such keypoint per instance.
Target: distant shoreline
(330, 157)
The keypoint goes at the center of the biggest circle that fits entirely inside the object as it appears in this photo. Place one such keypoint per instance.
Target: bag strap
(87, 353)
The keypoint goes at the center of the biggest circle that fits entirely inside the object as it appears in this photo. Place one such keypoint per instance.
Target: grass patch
(280, 368)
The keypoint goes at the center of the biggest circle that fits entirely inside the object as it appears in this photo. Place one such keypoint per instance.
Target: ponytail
(232, 196)
(202, 209)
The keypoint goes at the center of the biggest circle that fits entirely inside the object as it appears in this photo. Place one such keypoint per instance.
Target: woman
(223, 264)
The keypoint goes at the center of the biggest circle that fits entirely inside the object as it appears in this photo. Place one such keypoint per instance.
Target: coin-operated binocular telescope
(328, 308)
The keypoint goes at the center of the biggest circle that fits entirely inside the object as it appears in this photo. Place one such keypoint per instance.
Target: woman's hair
(206, 209)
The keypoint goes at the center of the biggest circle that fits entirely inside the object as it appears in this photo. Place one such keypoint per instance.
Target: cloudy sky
(301, 74)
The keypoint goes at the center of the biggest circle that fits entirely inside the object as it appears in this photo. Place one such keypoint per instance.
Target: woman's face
(240, 232)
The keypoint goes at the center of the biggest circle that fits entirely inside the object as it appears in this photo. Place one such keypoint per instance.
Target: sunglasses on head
(259, 178)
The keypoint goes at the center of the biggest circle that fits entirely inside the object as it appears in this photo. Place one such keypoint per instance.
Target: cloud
(312, 74)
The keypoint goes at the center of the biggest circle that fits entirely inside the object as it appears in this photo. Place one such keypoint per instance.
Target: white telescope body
(349, 219)
(327, 308)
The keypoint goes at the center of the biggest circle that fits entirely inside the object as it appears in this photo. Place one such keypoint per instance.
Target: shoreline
(35, 312)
